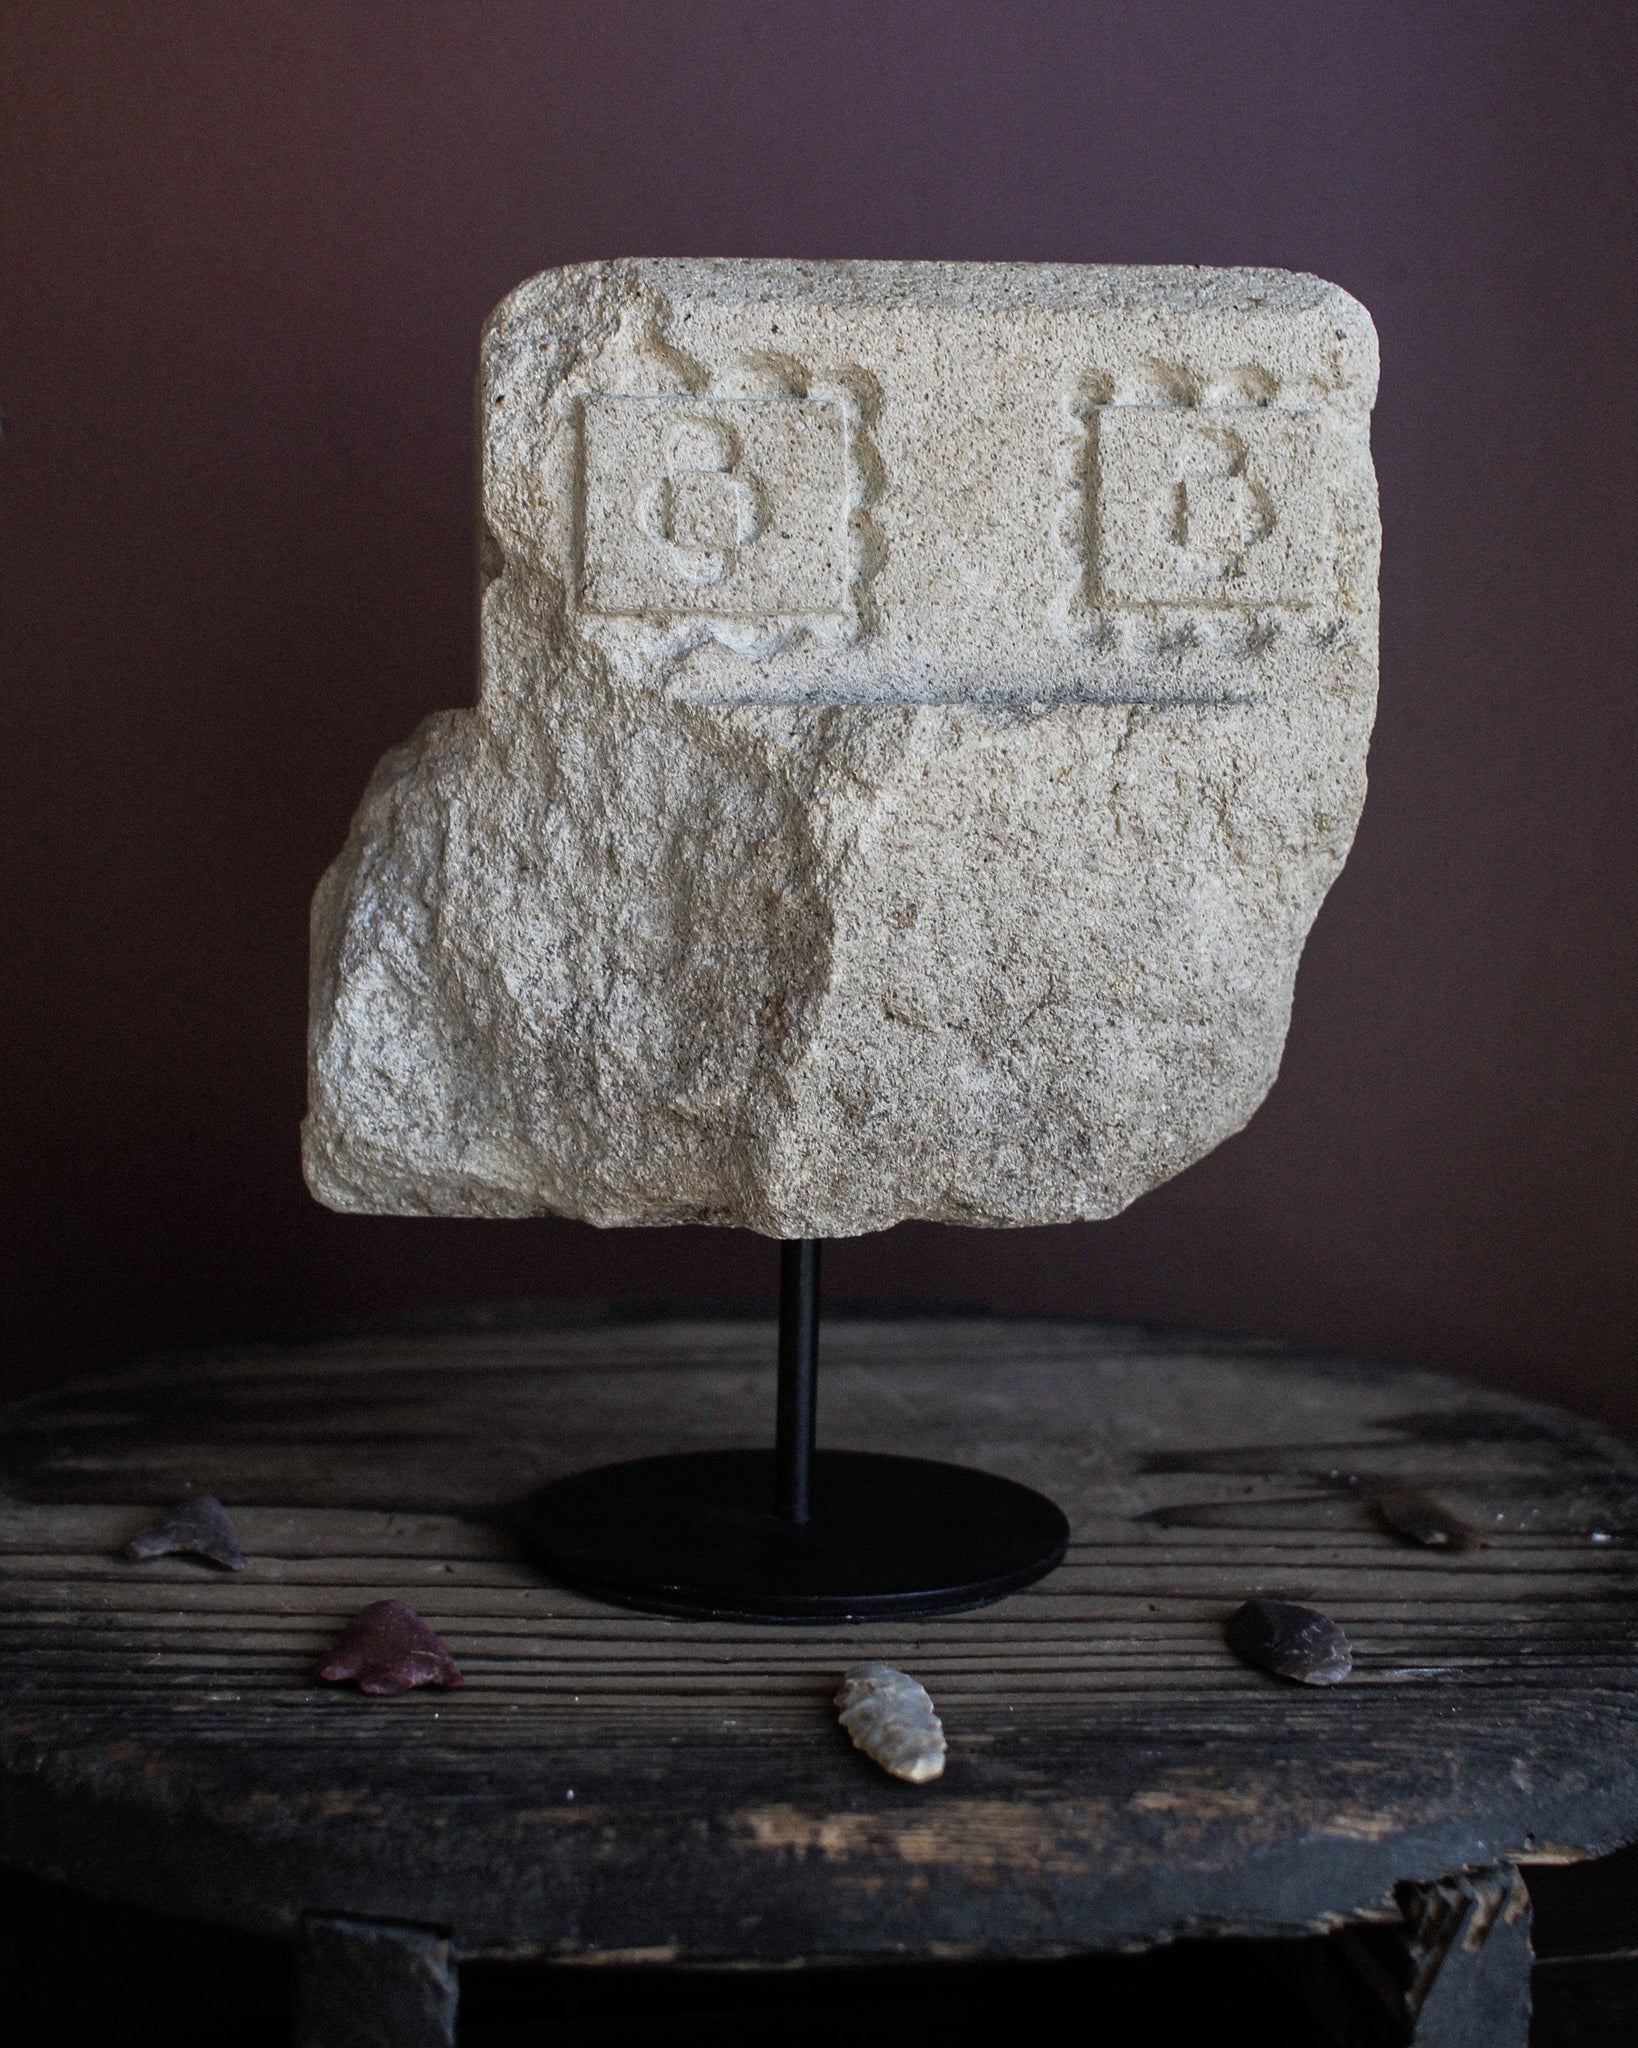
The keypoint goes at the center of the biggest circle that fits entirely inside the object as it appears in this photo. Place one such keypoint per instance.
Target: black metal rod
(798, 1375)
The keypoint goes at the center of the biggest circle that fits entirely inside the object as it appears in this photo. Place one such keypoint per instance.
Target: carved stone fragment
(388, 1648)
(1291, 1641)
(200, 1527)
(890, 1717)
(922, 709)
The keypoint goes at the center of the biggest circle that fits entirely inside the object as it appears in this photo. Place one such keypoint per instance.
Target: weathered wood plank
(1114, 1774)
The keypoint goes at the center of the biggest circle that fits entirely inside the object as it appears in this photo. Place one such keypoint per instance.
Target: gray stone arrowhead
(200, 1527)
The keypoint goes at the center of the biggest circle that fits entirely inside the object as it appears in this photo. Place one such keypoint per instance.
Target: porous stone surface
(922, 709)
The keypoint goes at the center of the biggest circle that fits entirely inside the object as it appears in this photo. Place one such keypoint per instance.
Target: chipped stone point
(922, 709)
(891, 1718)
(200, 1527)
(1291, 1641)
(388, 1648)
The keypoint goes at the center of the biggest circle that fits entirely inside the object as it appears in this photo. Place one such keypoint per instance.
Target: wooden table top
(612, 1785)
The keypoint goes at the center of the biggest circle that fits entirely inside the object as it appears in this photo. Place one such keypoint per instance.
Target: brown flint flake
(1421, 1519)
(1291, 1641)
(389, 1648)
(201, 1527)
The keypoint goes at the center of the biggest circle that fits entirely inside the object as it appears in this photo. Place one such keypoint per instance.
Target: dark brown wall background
(246, 254)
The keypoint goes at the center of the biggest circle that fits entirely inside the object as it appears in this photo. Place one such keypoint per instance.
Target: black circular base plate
(698, 1534)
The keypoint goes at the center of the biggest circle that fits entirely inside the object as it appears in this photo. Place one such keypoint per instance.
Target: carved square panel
(722, 507)
(1206, 505)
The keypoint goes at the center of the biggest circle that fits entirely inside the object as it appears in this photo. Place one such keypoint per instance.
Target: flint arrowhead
(200, 1527)
(1291, 1641)
(389, 1648)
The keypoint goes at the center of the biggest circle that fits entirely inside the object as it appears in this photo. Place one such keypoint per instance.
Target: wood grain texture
(608, 1784)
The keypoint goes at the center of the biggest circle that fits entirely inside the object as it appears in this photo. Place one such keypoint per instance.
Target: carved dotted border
(1147, 632)
(642, 363)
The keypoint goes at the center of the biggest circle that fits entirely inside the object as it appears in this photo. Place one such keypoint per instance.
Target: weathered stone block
(923, 707)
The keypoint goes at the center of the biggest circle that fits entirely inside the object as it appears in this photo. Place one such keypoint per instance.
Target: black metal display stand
(795, 1534)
